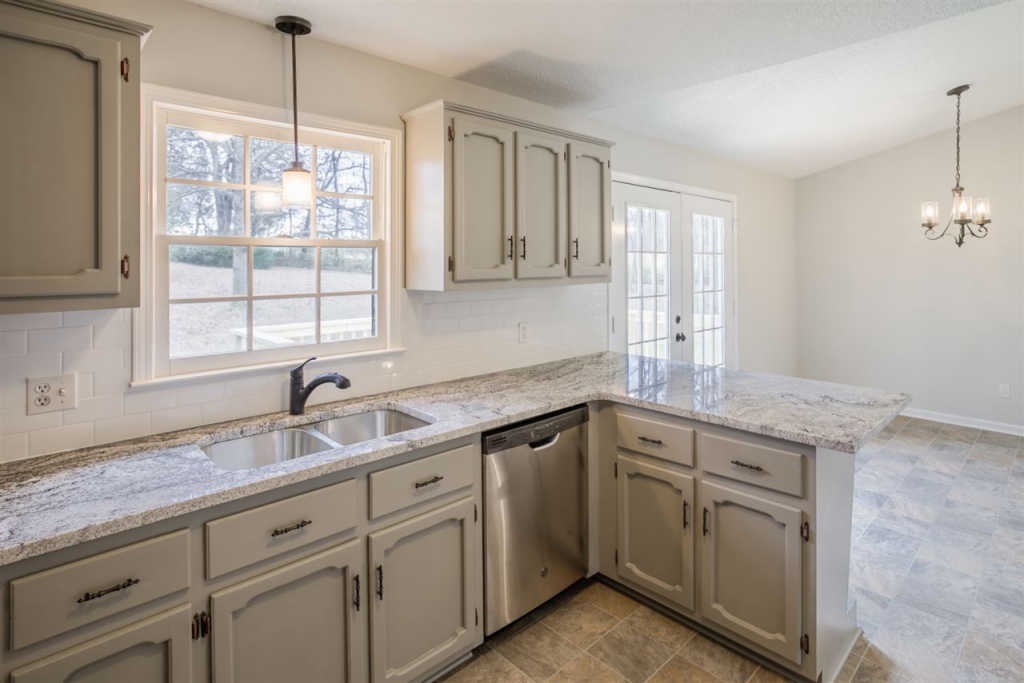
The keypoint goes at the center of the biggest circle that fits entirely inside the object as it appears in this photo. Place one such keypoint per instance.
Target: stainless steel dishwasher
(534, 513)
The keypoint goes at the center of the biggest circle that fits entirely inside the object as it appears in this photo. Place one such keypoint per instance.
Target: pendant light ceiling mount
(971, 216)
(296, 181)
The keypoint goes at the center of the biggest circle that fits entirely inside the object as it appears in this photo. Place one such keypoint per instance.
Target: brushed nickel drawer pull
(127, 583)
(653, 442)
(427, 482)
(281, 531)
(747, 466)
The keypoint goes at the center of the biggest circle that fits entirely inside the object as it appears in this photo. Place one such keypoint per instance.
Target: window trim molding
(155, 98)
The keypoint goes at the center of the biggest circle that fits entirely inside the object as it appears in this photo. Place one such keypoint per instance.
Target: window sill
(248, 370)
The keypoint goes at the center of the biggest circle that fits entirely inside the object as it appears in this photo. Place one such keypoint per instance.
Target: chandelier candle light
(971, 216)
(296, 181)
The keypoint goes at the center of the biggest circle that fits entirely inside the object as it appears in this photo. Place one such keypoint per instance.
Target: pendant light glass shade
(296, 186)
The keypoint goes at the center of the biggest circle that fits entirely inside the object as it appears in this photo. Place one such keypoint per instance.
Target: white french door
(673, 281)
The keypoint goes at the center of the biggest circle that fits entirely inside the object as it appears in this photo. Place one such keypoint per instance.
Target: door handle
(355, 592)
(523, 240)
(576, 249)
(511, 248)
(686, 522)
(380, 582)
(680, 337)
(705, 521)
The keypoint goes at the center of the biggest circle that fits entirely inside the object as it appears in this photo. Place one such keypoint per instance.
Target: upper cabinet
(69, 183)
(495, 201)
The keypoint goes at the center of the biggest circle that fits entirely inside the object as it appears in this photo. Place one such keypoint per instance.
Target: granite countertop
(57, 501)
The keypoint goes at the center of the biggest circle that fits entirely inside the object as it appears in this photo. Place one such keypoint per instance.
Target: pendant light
(971, 216)
(296, 181)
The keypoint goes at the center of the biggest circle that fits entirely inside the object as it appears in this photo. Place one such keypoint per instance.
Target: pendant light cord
(956, 169)
(295, 109)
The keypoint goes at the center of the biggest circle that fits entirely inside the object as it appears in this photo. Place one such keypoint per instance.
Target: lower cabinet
(300, 622)
(154, 650)
(655, 543)
(752, 576)
(424, 592)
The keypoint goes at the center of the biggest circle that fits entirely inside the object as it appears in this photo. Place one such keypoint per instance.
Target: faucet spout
(299, 392)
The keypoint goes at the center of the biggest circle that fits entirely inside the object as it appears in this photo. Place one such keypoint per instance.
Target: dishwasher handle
(546, 443)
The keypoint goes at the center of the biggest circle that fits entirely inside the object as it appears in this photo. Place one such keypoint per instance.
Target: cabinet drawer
(241, 539)
(771, 468)
(414, 482)
(659, 438)
(51, 602)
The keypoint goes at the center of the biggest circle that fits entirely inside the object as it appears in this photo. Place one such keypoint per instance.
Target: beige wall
(882, 306)
(447, 335)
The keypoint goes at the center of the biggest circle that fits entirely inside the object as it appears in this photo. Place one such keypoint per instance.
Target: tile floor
(937, 570)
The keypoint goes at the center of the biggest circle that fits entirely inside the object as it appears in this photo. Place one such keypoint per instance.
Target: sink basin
(372, 424)
(260, 450)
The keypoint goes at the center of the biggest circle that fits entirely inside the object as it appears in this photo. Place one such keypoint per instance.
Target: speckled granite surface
(53, 502)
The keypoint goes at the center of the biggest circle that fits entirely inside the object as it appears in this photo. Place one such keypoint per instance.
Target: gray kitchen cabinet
(541, 205)
(655, 529)
(425, 598)
(752, 568)
(256, 623)
(483, 200)
(70, 181)
(154, 650)
(590, 210)
(488, 201)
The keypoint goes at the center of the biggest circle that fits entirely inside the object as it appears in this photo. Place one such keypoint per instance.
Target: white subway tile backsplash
(125, 427)
(65, 438)
(14, 343)
(13, 447)
(60, 339)
(447, 335)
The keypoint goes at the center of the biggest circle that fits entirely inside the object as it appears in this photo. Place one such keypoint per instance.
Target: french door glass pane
(201, 270)
(708, 290)
(647, 276)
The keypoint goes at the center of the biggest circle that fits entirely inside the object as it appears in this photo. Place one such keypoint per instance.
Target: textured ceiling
(791, 86)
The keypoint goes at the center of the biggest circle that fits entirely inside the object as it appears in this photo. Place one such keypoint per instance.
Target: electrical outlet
(1004, 391)
(521, 327)
(51, 394)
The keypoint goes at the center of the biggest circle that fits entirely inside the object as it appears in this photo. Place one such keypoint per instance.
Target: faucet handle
(297, 370)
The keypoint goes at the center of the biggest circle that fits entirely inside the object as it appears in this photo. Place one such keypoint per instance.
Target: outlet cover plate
(51, 394)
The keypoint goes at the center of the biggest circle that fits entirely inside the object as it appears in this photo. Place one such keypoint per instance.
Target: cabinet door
(590, 206)
(752, 579)
(656, 529)
(541, 206)
(64, 180)
(301, 622)
(482, 199)
(154, 650)
(425, 605)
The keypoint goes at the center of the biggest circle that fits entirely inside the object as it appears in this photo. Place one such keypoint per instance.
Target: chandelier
(971, 216)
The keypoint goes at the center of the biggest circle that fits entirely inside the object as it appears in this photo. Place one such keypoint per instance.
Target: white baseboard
(961, 420)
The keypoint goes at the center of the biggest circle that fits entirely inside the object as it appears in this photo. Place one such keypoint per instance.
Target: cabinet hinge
(126, 267)
(805, 531)
(476, 616)
(451, 264)
(451, 133)
(200, 625)
(125, 69)
(805, 644)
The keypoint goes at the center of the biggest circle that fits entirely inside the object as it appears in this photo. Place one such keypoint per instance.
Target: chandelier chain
(957, 166)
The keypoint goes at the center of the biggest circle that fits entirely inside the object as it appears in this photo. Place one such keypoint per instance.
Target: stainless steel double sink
(260, 450)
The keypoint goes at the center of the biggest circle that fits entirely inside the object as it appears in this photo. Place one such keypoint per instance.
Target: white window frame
(162, 106)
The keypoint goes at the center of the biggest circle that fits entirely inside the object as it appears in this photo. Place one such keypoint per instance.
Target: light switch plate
(51, 394)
